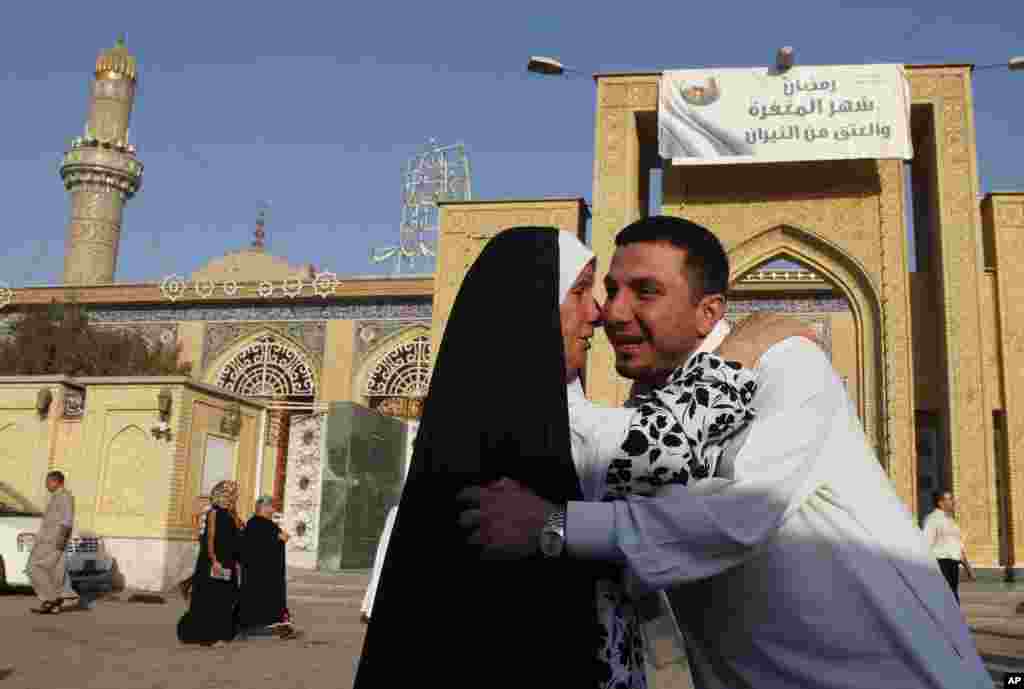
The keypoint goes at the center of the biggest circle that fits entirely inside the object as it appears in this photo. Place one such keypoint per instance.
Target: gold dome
(116, 63)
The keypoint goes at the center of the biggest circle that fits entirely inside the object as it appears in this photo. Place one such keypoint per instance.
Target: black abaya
(211, 611)
(263, 585)
(496, 407)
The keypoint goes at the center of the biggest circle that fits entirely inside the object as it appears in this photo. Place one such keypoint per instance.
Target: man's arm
(67, 520)
(931, 531)
(681, 535)
(211, 539)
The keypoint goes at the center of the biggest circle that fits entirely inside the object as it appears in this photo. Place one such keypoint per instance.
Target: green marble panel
(362, 473)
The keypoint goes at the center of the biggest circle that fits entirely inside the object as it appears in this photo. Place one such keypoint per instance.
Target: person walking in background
(945, 542)
(210, 619)
(46, 563)
(199, 509)
(264, 599)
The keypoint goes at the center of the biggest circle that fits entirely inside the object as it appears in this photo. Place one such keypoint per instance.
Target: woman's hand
(755, 335)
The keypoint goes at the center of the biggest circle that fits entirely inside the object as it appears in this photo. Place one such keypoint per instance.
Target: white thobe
(378, 562)
(943, 536)
(800, 567)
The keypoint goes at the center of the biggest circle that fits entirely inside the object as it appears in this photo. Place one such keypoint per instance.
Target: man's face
(651, 317)
(579, 313)
(53, 484)
(947, 503)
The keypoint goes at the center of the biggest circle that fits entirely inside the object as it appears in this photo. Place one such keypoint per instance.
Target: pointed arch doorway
(790, 270)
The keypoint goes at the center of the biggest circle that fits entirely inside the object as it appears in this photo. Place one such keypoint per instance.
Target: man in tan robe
(46, 564)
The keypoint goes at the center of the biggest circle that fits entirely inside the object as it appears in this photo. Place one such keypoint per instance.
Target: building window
(398, 383)
(269, 367)
(218, 463)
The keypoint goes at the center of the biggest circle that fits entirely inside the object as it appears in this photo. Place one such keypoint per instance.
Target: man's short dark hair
(938, 496)
(56, 476)
(706, 265)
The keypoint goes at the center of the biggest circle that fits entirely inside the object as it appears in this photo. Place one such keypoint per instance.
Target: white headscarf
(573, 257)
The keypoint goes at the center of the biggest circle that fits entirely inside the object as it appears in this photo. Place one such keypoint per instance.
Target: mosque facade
(930, 357)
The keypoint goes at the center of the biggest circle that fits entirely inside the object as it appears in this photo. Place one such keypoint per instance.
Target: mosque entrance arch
(395, 379)
(789, 269)
(267, 366)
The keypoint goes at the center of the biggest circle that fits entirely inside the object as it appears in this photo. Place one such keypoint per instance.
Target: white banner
(756, 115)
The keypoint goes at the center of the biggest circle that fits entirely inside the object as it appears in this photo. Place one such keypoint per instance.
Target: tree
(61, 340)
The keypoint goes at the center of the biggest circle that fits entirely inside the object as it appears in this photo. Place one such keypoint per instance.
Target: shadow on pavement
(16, 591)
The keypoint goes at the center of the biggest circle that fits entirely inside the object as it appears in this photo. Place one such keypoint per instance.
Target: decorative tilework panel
(220, 336)
(805, 305)
(352, 310)
(302, 491)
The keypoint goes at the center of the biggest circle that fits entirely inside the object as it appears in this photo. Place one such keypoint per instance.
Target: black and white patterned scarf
(677, 435)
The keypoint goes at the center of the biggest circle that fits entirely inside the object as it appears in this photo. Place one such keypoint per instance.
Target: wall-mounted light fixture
(231, 422)
(44, 398)
(163, 405)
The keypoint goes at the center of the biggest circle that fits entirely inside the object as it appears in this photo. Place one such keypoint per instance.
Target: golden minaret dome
(116, 63)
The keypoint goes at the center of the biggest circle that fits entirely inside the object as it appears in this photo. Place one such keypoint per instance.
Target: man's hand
(505, 517)
(63, 538)
(758, 333)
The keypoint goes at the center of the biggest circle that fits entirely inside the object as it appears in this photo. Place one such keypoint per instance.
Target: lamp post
(784, 59)
(548, 66)
(1014, 64)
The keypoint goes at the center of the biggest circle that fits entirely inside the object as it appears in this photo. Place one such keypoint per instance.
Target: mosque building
(284, 356)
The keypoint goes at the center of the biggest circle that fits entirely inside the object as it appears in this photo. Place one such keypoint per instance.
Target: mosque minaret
(101, 172)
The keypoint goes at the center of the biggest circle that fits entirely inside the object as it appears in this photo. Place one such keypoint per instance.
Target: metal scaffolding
(438, 173)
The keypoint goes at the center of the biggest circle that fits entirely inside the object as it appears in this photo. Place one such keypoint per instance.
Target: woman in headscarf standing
(210, 618)
(497, 406)
(264, 604)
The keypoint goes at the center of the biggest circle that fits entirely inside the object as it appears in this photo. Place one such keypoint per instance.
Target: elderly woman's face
(579, 313)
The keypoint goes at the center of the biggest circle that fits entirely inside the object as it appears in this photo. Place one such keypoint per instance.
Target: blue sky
(316, 106)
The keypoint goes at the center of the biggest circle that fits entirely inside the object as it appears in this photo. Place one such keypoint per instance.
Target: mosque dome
(253, 263)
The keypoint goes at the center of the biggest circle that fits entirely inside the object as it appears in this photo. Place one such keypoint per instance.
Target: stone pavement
(126, 645)
(130, 645)
(991, 612)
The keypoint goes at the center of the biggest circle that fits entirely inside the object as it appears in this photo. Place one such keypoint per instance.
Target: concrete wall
(132, 488)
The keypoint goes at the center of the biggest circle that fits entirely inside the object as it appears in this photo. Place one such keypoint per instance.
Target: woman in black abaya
(496, 407)
(210, 618)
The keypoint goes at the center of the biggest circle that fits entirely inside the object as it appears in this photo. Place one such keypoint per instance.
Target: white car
(89, 566)
(19, 523)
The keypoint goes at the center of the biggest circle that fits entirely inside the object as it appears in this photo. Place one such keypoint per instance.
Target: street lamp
(784, 60)
(548, 66)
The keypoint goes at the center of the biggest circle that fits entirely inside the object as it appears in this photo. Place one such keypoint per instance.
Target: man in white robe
(797, 565)
(366, 609)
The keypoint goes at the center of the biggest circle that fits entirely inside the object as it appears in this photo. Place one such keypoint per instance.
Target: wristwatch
(552, 536)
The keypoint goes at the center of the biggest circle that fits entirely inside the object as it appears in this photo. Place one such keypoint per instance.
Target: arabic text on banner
(722, 116)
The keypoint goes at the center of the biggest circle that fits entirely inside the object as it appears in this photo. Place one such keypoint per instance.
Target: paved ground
(130, 645)
(127, 645)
